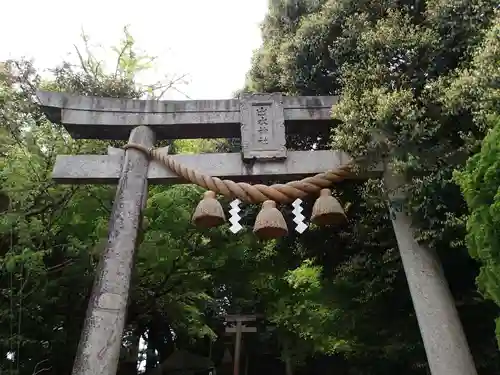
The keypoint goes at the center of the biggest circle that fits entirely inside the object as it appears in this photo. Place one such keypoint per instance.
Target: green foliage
(298, 306)
(475, 89)
(480, 183)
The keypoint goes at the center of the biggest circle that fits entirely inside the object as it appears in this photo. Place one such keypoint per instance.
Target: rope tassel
(270, 222)
(327, 210)
(209, 212)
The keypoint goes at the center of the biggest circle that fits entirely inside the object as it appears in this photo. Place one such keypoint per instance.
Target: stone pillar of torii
(261, 120)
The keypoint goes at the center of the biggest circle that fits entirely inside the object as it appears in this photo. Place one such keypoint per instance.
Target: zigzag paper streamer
(299, 218)
(235, 218)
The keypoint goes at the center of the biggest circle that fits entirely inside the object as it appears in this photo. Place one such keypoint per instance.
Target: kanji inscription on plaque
(262, 126)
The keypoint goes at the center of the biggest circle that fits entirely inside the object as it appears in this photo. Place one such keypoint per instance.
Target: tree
(476, 90)
(480, 182)
(387, 60)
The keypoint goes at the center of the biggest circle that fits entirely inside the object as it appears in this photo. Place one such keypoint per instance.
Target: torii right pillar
(444, 339)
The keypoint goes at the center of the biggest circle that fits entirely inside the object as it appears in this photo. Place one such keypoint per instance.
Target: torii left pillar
(100, 343)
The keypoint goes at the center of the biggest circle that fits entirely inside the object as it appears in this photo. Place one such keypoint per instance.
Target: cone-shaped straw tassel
(327, 210)
(209, 212)
(270, 222)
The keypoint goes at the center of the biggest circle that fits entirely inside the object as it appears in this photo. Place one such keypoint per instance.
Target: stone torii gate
(238, 327)
(264, 156)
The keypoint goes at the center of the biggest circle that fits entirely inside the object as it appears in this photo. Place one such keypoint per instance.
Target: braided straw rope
(282, 193)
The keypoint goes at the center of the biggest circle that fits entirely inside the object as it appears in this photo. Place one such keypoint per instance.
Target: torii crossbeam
(260, 120)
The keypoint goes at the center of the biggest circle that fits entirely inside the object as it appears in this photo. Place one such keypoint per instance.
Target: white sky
(210, 40)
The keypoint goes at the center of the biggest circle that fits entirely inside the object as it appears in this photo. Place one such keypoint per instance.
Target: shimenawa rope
(281, 193)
